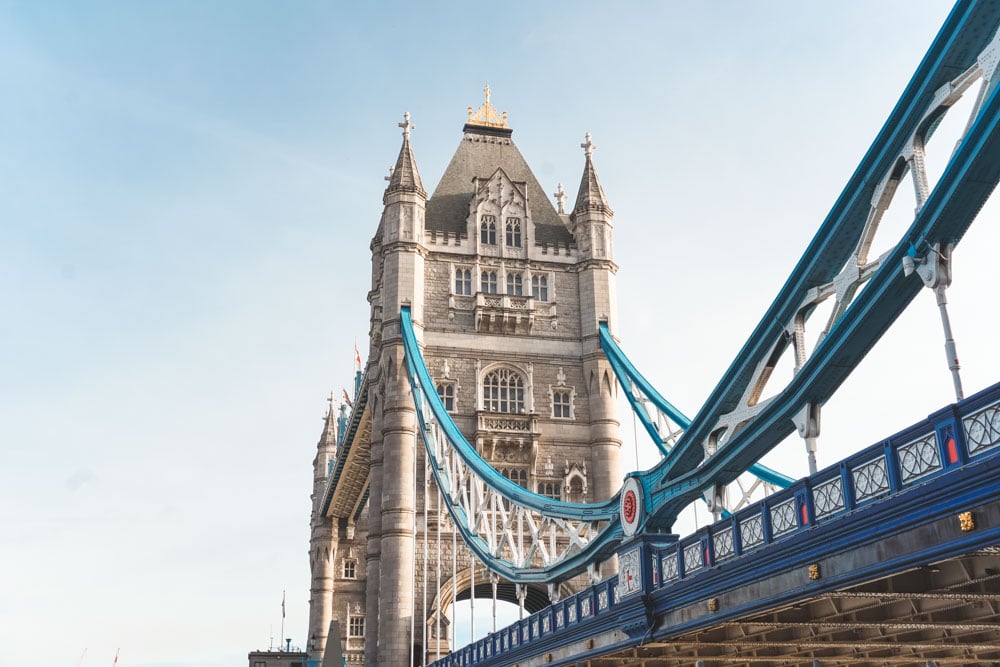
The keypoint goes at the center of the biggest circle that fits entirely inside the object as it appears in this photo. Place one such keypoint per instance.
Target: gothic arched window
(503, 391)
(463, 282)
(540, 288)
(560, 404)
(488, 230)
(514, 232)
(549, 489)
(514, 284)
(446, 391)
(488, 282)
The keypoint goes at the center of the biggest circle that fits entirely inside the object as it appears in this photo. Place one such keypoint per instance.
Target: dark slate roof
(405, 176)
(481, 151)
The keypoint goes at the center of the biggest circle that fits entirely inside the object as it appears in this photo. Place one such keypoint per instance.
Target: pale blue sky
(187, 194)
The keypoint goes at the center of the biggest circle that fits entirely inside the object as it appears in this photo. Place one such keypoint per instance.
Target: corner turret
(591, 197)
(404, 176)
(591, 217)
(591, 226)
(323, 537)
(405, 198)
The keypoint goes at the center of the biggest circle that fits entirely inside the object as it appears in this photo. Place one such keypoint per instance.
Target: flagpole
(282, 638)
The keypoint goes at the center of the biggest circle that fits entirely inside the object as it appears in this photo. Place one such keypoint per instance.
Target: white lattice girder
(523, 537)
(845, 286)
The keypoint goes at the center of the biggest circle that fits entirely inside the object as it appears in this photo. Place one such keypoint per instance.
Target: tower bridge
(480, 455)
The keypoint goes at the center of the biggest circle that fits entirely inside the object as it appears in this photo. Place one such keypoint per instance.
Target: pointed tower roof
(327, 444)
(485, 147)
(405, 177)
(591, 195)
(329, 436)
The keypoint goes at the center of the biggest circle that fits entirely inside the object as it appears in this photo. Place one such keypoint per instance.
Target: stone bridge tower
(506, 291)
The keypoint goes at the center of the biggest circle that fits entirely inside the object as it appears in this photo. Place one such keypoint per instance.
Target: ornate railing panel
(982, 429)
(919, 458)
(828, 498)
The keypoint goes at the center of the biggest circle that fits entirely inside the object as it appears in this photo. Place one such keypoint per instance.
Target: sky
(187, 195)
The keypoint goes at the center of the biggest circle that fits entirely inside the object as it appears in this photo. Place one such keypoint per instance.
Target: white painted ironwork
(722, 544)
(861, 267)
(669, 565)
(518, 535)
(919, 458)
(693, 557)
(871, 479)
(828, 498)
(982, 429)
(783, 517)
(752, 531)
(746, 490)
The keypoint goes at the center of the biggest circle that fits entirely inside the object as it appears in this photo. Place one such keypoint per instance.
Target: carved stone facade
(507, 292)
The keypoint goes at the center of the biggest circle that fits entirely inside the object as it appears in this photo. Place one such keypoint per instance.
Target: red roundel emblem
(629, 506)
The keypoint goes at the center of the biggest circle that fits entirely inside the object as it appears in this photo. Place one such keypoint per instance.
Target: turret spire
(591, 195)
(329, 437)
(405, 177)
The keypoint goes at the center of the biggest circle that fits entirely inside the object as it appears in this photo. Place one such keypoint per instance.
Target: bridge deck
(889, 557)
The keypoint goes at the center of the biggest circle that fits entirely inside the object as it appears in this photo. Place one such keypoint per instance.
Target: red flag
(116, 657)
(347, 399)
(357, 356)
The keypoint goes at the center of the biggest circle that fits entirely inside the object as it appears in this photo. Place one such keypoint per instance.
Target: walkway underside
(948, 612)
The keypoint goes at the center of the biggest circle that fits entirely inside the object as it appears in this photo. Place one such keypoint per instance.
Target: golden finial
(487, 115)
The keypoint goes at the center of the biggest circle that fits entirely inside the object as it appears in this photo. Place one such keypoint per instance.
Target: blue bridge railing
(961, 434)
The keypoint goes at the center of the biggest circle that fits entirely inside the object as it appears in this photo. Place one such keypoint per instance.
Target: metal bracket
(807, 422)
(934, 270)
(715, 499)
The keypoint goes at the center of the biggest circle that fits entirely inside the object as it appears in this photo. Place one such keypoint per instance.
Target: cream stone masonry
(506, 292)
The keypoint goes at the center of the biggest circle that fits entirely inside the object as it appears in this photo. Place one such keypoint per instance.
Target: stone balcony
(502, 423)
(501, 313)
(508, 438)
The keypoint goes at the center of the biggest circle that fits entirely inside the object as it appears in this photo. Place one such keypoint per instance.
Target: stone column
(605, 443)
(323, 548)
(398, 501)
(373, 546)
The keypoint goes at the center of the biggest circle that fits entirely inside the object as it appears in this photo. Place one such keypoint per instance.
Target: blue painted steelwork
(598, 548)
(684, 473)
(628, 375)
(961, 469)
(423, 390)
(967, 182)
(341, 425)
